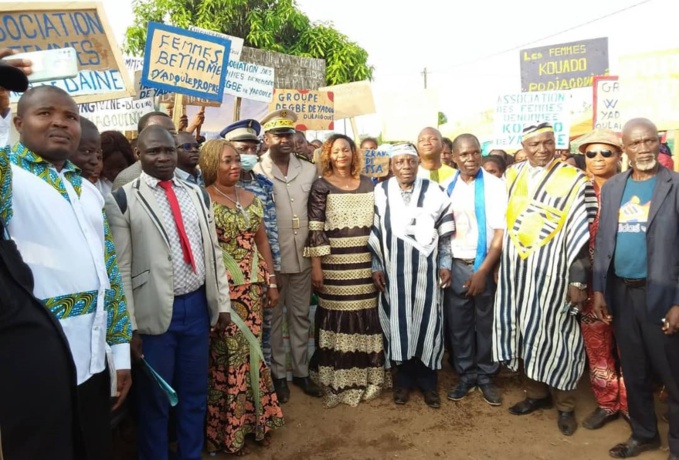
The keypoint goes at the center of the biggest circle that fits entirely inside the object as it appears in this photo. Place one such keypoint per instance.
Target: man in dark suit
(636, 285)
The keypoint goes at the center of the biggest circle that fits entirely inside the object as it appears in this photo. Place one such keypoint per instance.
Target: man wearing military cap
(244, 135)
(292, 179)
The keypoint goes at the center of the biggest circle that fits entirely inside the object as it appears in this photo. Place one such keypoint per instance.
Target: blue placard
(185, 62)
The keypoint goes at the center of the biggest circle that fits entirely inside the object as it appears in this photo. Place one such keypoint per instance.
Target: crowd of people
(167, 270)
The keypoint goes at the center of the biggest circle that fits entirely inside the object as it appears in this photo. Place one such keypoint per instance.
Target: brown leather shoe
(633, 447)
(528, 406)
(432, 399)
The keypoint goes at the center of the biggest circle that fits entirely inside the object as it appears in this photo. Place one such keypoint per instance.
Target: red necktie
(177, 214)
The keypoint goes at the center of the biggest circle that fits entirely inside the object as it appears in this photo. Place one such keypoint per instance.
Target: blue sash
(480, 211)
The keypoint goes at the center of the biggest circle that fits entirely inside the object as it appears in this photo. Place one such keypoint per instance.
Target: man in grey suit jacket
(173, 272)
(133, 171)
(636, 282)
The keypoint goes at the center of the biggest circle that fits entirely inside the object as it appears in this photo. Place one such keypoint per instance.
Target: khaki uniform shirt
(291, 194)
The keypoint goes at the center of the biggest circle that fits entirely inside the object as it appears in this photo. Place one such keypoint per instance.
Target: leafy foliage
(273, 25)
(443, 119)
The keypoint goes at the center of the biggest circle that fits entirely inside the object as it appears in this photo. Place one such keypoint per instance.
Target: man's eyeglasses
(189, 146)
(604, 153)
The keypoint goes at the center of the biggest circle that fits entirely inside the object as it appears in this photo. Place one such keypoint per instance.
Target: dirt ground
(469, 429)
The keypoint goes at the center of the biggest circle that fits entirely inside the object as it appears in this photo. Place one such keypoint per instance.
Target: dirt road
(469, 429)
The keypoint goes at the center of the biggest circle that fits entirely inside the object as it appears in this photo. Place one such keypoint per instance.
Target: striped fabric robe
(411, 307)
(546, 230)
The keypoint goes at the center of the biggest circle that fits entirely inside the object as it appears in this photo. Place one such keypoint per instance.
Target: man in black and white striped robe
(410, 242)
(543, 271)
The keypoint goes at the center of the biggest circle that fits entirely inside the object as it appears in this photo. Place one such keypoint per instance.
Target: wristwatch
(580, 286)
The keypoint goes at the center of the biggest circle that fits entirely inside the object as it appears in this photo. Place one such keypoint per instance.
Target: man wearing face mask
(244, 135)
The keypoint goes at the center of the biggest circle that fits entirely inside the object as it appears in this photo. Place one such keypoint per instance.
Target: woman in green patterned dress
(241, 396)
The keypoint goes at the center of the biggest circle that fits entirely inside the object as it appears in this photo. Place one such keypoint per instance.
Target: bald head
(35, 95)
(157, 152)
(641, 143)
(462, 138)
(430, 144)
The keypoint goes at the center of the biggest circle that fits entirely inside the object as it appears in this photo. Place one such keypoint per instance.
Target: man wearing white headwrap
(410, 242)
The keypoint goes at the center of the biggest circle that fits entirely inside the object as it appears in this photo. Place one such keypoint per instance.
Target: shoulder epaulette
(303, 158)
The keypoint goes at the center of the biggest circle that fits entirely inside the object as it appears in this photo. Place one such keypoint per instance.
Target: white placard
(249, 81)
(116, 114)
(515, 111)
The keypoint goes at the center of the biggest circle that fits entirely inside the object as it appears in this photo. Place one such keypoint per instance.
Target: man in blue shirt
(636, 284)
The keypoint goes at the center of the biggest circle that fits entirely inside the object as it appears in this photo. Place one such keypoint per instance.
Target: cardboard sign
(236, 42)
(28, 27)
(375, 163)
(352, 99)
(185, 62)
(249, 81)
(165, 97)
(606, 110)
(117, 114)
(314, 109)
(649, 87)
(515, 111)
(563, 66)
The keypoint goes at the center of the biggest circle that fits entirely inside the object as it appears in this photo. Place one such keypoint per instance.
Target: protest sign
(236, 42)
(563, 66)
(249, 81)
(314, 109)
(352, 99)
(606, 113)
(28, 27)
(185, 62)
(375, 163)
(515, 111)
(405, 112)
(165, 97)
(117, 114)
(649, 87)
(290, 71)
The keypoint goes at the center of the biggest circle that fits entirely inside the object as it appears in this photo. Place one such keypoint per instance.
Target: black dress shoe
(491, 394)
(599, 418)
(462, 389)
(566, 423)
(308, 387)
(528, 406)
(401, 395)
(282, 390)
(633, 447)
(432, 399)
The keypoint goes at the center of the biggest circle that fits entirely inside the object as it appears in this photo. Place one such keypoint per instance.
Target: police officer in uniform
(292, 178)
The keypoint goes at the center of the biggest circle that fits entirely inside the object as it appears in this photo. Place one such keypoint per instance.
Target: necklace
(239, 206)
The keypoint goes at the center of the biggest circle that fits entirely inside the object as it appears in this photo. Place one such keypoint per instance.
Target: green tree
(443, 119)
(273, 25)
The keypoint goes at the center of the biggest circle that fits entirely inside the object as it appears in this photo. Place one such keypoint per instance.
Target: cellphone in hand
(48, 65)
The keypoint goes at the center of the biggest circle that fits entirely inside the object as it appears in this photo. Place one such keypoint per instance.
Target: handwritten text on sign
(563, 66)
(607, 114)
(236, 42)
(185, 62)
(314, 109)
(249, 81)
(61, 27)
(376, 163)
(515, 111)
(165, 97)
(117, 114)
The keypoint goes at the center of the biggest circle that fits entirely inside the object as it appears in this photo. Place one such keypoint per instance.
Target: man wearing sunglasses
(188, 153)
(636, 283)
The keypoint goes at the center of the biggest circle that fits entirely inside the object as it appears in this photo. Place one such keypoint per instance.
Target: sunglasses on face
(189, 146)
(604, 153)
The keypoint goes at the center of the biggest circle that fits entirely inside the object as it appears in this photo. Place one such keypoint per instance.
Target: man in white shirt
(479, 203)
(56, 219)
